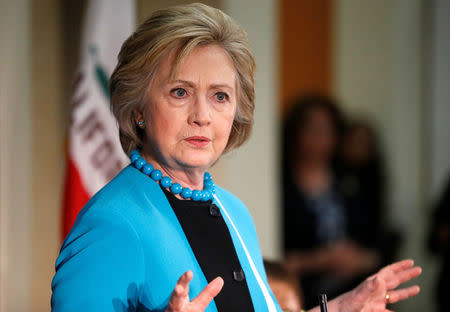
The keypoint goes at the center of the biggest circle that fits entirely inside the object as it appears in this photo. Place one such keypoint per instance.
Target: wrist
(339, 304)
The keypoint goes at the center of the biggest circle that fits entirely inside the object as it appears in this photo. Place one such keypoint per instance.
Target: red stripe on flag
(75, 197)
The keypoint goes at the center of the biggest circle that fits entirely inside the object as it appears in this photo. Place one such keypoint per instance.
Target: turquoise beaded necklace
(196, 195)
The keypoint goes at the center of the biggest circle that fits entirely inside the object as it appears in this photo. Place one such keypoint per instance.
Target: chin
(198, 161)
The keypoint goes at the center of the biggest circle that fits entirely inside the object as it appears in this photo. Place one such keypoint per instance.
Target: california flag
(94, 153)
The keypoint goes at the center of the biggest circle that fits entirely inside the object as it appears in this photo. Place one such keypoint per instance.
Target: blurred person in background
(284, 286)
(439, 244)
(362, 181)
(317, 238)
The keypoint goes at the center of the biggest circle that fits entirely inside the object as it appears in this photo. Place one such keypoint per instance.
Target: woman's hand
(348, 260)
(375, 292)
(344, 259)
(180, 302)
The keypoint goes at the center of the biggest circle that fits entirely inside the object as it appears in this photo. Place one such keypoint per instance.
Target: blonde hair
(179, 28)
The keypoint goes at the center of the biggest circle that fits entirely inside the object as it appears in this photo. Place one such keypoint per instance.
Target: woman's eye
(179, 92)
(221, 96)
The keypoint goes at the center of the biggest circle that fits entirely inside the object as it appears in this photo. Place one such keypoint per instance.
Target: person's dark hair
(374, 167)
(356, 124)
(296, 118)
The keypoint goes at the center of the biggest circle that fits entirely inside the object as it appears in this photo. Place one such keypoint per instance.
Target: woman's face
(189, 116)
(317, 137)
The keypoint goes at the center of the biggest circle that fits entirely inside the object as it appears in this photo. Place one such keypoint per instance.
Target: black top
(340, 213)
(311, 222)
(439, 243)
(213, 248)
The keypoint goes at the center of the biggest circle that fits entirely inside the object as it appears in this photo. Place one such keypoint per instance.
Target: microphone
(323, 303)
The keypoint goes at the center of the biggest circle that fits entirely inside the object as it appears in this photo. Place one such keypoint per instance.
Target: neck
(187, 177)
(312, 177)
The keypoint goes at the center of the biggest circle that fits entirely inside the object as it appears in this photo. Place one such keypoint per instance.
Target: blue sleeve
(100, 268)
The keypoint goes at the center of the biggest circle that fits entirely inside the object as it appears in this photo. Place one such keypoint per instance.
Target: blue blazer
(127, 250)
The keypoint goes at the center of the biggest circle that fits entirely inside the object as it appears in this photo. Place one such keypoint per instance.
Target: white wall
(250, 172)
(15, 158)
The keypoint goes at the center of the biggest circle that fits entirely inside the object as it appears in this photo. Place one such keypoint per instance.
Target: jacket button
(214, 211)
(238, 275)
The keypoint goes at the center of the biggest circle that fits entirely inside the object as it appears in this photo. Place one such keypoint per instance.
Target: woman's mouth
(198, 141)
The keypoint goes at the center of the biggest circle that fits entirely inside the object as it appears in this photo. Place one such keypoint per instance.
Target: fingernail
(219, 278)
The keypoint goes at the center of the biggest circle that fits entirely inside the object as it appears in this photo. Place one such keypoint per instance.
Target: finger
(180, 292)
(403, 277)
(388, 272)
(208, 293)
(402, 294)
(184, 281)
(400, 266)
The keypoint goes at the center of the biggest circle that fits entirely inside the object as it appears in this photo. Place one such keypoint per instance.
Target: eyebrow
(191, 84)
(224, 85)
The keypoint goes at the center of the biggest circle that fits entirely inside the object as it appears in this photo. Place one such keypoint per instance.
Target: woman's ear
(138, 116)
(139, 119)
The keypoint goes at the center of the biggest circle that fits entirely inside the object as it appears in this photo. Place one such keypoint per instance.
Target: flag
(94, 153)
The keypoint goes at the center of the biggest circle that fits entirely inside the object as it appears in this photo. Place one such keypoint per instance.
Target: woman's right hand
(180, 302)
(345, 259)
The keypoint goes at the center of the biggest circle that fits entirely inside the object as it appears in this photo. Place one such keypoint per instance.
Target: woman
(320, 244)
(183, 94)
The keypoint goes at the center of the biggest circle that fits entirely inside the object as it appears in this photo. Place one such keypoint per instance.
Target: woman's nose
(200, 114)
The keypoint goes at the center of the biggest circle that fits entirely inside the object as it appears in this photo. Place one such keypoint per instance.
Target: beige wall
(145, 7)
(48, 122)
(15, 156)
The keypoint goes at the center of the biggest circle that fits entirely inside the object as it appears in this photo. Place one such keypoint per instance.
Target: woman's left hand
(376, 291)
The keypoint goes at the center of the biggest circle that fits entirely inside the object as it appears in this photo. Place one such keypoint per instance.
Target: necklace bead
(196, 195)
(147, 169)
(176, 188)
(133, 157)
(156, 175)
(208, 183)
(186, 193)
(166, 182)
(206, 195)
(139, 163)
